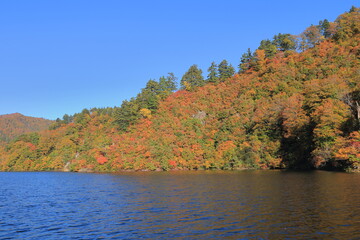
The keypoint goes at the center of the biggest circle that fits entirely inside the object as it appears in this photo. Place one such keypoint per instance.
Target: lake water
(181, 205)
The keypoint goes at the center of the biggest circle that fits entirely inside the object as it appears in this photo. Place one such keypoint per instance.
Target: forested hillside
(16, 124)
(294, 103)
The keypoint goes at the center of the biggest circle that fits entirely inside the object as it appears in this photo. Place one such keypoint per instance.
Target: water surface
(182, 205)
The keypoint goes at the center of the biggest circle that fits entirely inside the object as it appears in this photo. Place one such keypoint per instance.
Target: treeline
(146, 102)
(293, 103)
(79, 117)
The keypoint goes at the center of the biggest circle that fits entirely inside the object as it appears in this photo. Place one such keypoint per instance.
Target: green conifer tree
(225, 70)
(148, 98)
(213, 75)
(128, 113)
(168, 84)
(192, 78)
(285, 42)
(324, 28)
(269, 47)
(245, 61)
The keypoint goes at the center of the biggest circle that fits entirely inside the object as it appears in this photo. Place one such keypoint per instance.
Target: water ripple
(190, 205)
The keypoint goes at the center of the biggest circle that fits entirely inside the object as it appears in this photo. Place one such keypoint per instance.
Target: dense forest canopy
(16, 124)
(293, 103)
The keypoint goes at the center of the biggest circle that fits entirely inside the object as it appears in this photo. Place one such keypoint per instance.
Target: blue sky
(58, 57)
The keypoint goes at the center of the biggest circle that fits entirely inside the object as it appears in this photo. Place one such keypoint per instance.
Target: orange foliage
(257, 119)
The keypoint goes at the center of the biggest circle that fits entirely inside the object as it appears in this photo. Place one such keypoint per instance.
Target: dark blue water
(182, 205)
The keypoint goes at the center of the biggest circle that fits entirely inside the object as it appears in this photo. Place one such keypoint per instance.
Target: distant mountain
(16, 124)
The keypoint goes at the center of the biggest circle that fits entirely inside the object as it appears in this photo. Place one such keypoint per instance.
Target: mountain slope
(285, 109)
(293, 110)
(16, 124)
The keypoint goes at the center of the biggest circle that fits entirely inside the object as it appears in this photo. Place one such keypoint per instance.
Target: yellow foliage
(146, 113)
(188, 86)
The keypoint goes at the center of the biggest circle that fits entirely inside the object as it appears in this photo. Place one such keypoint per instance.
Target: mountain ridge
(15, 124)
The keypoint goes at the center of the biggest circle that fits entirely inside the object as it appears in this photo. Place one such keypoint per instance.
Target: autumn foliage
(16, 124)
(285, 109)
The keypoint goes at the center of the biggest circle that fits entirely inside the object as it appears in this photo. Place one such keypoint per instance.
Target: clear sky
(59, 57)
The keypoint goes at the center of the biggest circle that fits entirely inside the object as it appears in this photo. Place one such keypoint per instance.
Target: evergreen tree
(245, 61)
(324, 27)
(168, 84)
(192, 78)
(284, 42)
(225, 70)
(148, 98)
(213, 76)
(269, 47)
(128, 113)
(67, 119)
(353, 9)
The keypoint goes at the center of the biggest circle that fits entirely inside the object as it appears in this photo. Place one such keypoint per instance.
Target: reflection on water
(191, 205)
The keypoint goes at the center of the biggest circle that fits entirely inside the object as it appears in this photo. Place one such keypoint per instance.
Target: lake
(182, 205)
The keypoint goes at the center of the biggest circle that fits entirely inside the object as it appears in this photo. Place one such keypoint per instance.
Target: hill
(293, 104)
(16, 124)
